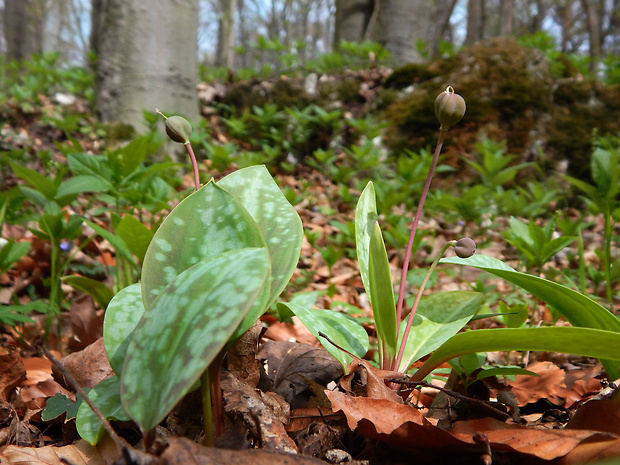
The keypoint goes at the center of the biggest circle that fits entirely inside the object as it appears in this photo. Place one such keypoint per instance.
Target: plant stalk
(416, 302)
(414, 227)
(190, 152)
(212, 411)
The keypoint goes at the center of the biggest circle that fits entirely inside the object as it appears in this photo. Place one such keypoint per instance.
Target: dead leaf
(263, 415)
(89, 366)
(598, 415)
(375, 386)
(86, 322)
(80, 453)
(241, 357)
(289, 364)
(182, 451)
(549, 385)
(12, 373)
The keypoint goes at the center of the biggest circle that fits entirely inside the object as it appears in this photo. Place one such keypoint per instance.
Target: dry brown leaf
(548, 385)
(80, 453)
(546, 444)
(598, 415)
(375, 381)
(587, 452)
(290, 364)
(12, 373)
(182, 451)
(89, 366)
(263, 415)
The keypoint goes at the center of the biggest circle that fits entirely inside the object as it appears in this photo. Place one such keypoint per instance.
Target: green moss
(407, 75)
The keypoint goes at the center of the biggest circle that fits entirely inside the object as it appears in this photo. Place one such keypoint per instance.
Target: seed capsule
(449, 108)
(465, 247)
(178, 129)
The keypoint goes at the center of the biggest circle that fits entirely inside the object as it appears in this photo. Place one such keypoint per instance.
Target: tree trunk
(506, 14)
(400, 24)
(439, 25)
(475, 21)
(146, 58)
(352, 19)
(23, 28)
(226, 34)
(594, 33)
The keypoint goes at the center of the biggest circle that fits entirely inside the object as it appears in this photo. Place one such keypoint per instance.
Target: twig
(454, 394)
(120, 442)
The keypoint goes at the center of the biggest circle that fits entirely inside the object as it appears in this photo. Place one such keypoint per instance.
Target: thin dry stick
(120, 442)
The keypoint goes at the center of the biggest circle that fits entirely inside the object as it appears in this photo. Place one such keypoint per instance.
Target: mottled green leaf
(276, 218)
(437, 319)
(121, 318)
(204, 224)
(586, 342)
(340, 328)
(185, 328)
(106, 396)
(577, 308)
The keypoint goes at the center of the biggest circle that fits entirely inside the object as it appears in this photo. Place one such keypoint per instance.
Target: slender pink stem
(414, 227)
(414, 307)
(190, 151)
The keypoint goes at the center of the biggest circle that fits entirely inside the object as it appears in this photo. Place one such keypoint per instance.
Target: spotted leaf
(185, 328)
(206, 223)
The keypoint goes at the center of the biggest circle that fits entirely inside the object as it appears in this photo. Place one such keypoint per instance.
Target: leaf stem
(414, 227)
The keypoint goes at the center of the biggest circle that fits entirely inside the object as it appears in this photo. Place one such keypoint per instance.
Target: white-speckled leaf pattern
(206, 223)
(121, 318)
(184, 329)
(276, 218)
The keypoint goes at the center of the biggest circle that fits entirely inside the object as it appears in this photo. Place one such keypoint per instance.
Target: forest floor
(274, 385)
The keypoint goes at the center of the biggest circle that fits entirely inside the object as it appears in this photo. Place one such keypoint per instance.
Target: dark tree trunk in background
(594, 33)
(475, 21)
(439, 25)
(23, 28)
(146, 58)
(352, 20)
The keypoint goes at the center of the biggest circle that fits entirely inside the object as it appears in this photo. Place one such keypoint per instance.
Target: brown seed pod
(178, 129)
(465, 247)
(449, 108)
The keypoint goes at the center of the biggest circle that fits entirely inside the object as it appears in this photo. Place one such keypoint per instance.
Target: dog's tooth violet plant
(216, 263)
(225, 253)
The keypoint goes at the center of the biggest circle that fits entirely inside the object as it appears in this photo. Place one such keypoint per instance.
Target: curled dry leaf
(182, 451)
(12, 373)
(405, 427)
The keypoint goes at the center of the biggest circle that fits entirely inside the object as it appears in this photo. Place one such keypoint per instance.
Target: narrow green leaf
(11, 252)
(365, 218)
(340, 328)
(504, 371)
(277, 221)
(586, 342)
(101, 293)
(381, 293)
(577, 308)
(90, 165)
(185, 328)
(204, 224)
(121, 318)
(119, 245)
(106, 396)
(136, 235)
(437, 319)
